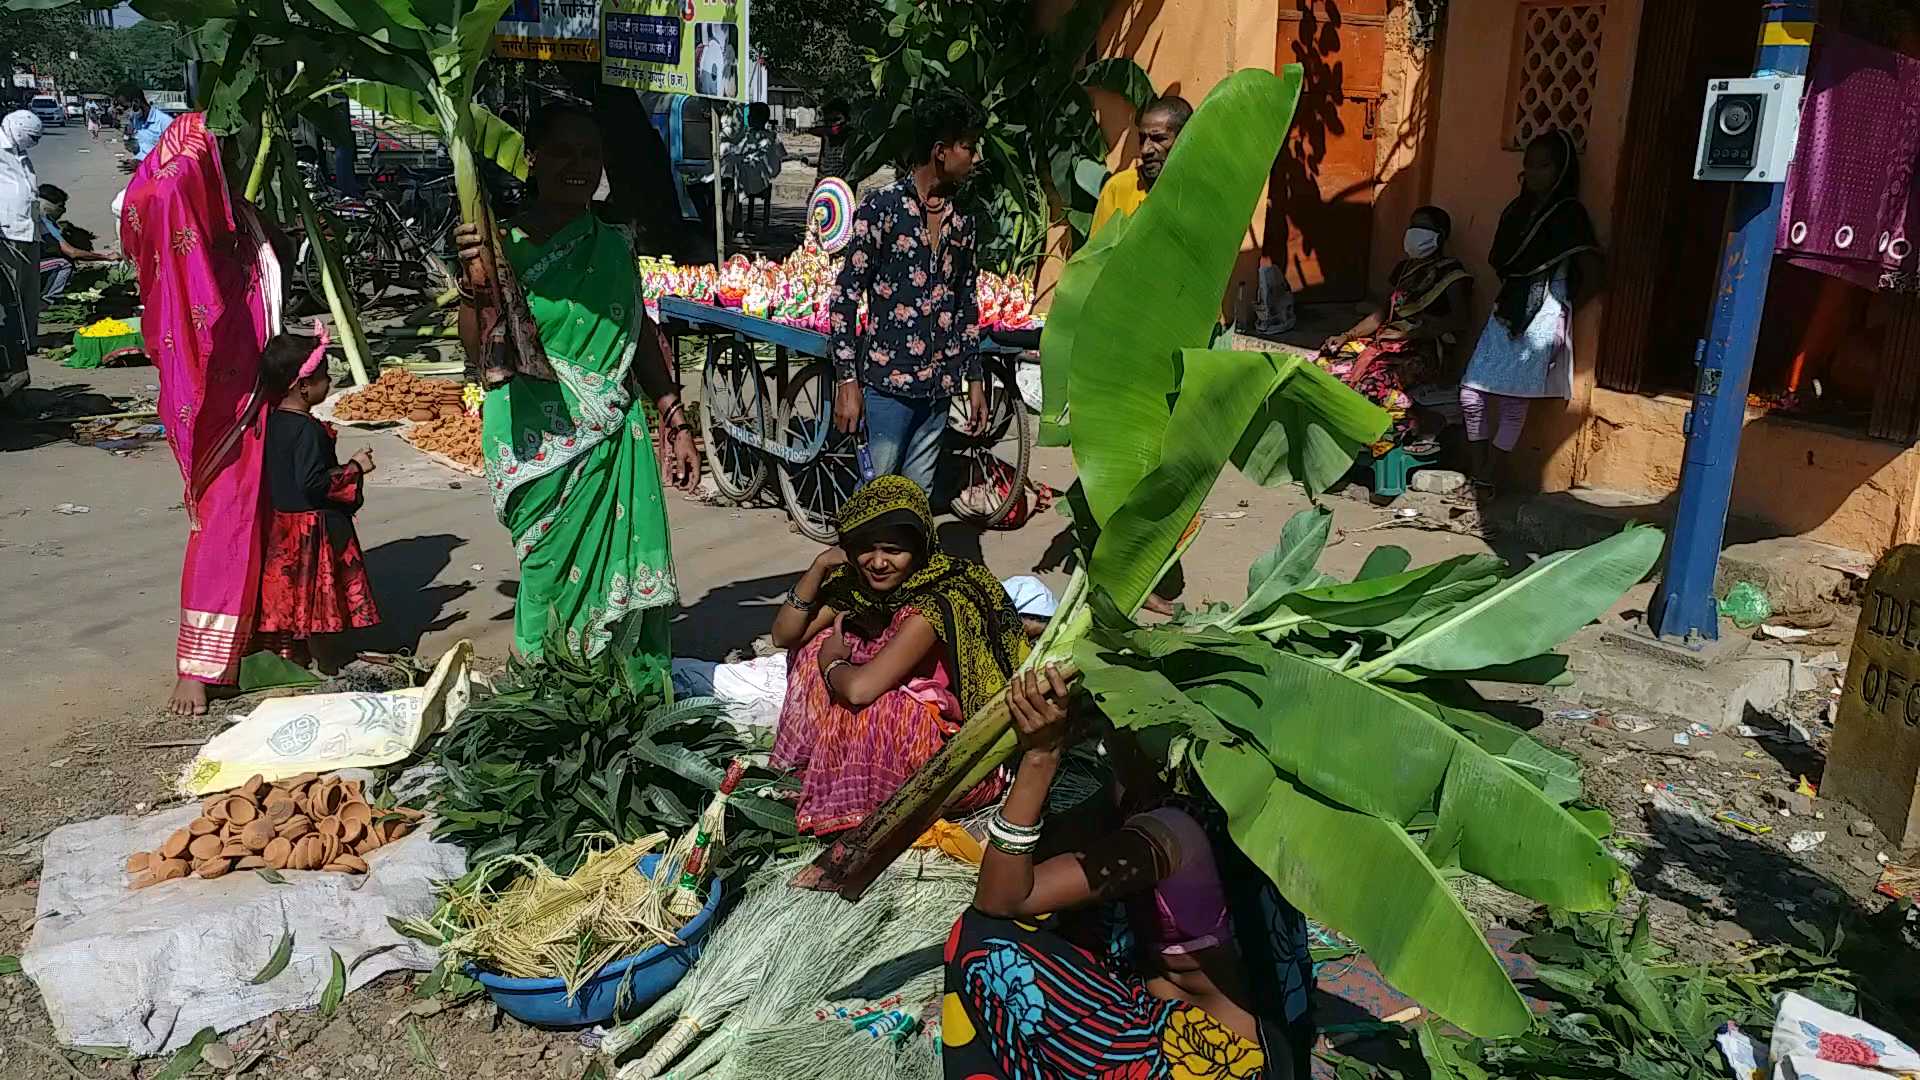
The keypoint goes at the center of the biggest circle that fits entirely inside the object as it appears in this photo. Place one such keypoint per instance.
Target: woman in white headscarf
(19, 247)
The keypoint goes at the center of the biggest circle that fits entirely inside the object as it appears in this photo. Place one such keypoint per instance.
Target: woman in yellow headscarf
(895, 644)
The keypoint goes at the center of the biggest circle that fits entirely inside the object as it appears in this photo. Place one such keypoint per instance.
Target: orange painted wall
(1475, 176)
(1800, 479)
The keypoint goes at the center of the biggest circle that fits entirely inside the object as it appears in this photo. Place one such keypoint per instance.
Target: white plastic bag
(1813, 1042)
(319, 733)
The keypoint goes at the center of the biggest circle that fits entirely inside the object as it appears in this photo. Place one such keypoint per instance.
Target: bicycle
(400, 235)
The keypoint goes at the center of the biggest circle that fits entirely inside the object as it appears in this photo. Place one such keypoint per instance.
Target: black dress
(314, 580)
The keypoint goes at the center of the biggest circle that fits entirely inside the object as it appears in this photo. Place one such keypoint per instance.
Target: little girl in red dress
(314, 581)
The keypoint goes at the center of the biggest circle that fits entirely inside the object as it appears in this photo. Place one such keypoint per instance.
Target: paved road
(88, 601)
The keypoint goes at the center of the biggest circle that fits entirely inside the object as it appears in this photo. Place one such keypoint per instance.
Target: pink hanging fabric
(210, 287)
(1852, 202)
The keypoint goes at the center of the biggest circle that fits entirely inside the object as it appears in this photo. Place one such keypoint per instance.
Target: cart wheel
(974, 454)
(816, 489)
(730, 386)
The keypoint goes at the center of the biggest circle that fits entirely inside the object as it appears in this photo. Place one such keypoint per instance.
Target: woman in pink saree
(210, 284)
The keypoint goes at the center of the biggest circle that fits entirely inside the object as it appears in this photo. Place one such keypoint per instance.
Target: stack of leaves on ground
(1625, 1010)
(569, 750)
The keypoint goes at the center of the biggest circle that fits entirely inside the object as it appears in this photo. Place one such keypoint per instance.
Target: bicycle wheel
(978, 455)
(730, 387)
(816, 489)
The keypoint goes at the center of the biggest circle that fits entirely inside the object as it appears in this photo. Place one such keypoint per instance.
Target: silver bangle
(1013, 839)
(805, 606)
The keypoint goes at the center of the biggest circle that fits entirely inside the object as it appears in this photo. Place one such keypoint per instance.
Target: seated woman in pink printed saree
(210, 286)
(894, 645)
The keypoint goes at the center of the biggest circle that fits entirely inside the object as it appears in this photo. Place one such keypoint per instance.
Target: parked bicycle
(400, 235)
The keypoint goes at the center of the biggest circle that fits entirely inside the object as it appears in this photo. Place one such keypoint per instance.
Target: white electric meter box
(1749, 129)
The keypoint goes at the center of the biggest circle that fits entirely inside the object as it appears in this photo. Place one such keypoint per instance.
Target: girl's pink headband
(318, 358)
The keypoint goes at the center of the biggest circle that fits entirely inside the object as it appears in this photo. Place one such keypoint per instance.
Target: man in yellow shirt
(1158, 128)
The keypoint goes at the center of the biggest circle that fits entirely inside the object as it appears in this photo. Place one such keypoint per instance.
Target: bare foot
(189, 698)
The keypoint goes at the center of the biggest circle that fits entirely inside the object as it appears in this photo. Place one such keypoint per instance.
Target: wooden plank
(1896, 407)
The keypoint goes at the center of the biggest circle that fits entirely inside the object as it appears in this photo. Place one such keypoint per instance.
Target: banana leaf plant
(1132, 320)
(1332, 721)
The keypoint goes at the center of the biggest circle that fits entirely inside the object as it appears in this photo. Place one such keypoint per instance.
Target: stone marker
(1874, 764)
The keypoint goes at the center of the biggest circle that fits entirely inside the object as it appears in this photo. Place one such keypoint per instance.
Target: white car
(48, 110)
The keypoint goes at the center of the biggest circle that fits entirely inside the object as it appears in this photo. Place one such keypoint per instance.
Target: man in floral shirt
(912, 260)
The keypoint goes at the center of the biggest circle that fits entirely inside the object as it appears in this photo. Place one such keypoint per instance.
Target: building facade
(1409, 102)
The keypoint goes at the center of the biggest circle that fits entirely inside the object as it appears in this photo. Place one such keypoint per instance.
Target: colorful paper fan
(832, 213)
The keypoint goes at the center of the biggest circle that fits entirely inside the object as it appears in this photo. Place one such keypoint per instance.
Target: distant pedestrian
(19, 247)
(1548, 259)
(313, 578)
(753, 160)
(912, 258)
(835, 132)
(145, 123)
(93, 121)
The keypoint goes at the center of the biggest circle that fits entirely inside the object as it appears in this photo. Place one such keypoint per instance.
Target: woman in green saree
(570, 462)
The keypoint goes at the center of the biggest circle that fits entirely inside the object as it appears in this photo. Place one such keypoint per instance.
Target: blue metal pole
(1684, 608)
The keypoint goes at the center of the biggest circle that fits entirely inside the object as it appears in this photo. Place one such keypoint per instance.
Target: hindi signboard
(1874, 762)
(676, 47)
(549, 30)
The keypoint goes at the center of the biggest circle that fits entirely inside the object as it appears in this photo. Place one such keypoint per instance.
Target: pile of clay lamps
(304, 822)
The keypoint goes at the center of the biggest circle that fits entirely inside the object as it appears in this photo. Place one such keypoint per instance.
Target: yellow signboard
(676, 47)
(549, 30)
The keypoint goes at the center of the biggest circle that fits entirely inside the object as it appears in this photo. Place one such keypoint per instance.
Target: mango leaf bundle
(1332, 721)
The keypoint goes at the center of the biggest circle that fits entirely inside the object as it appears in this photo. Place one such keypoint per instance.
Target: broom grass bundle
(546, 926)
(731, 964)
(874, 1025)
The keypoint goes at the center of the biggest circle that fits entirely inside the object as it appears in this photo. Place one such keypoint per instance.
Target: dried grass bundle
(545, 926)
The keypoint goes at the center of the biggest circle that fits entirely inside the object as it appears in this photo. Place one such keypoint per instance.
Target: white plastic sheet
(147, 969)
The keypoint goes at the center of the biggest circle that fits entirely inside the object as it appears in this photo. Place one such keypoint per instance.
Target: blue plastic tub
(646, 976)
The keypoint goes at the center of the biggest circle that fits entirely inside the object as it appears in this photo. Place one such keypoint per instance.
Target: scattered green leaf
(271, 876)
(187, 1058)
(336, 986)
(417, 1044)
(277, 963)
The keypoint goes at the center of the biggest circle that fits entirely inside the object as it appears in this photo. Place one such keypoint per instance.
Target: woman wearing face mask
(1403, 343)
(1548, 260)
(19, 247)
(570, 458)
(895, 644)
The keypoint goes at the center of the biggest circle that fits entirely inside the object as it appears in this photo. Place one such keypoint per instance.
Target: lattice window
(1556, 65)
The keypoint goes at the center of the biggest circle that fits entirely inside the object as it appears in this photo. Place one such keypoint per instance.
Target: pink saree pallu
(211, 288)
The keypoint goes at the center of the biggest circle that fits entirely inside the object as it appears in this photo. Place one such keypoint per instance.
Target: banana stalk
(346, 320)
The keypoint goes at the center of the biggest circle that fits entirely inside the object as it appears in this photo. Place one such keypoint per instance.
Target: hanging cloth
(1852, 202)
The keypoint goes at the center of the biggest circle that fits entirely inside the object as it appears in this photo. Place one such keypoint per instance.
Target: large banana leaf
(494, 139)
(1219, 392)
(1367, 748)
(1125, 309)
(1308, 433)
(1366, 878)
(1291, 562)
(1391, 605)
(1530, 612)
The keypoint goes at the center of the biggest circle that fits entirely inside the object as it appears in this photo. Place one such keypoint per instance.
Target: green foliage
(569, 749)
(1294, 728)
(1625, 1009)
(1045, 151)
(814, 44)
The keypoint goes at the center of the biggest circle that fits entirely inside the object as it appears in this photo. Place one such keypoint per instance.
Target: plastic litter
(70, 509)
(1631, 724)
(1747, 605)
(1813, 1042)
(1806, 840)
